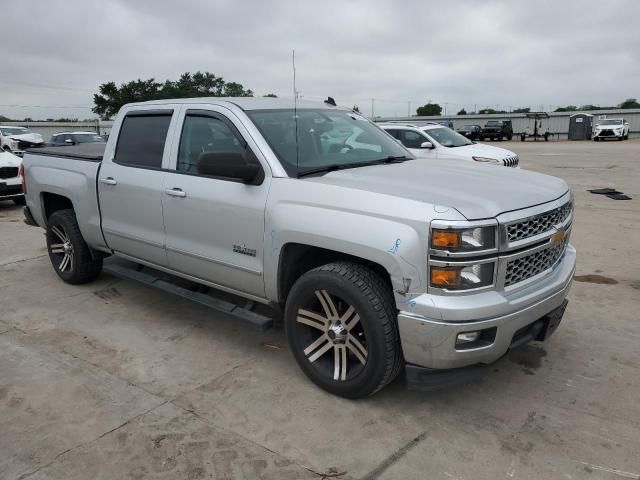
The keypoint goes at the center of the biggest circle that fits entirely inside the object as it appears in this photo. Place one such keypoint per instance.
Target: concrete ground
(117, 380)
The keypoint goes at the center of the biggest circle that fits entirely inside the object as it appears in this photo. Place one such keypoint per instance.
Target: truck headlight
(486, 160)
(467, 240)
(465, 277)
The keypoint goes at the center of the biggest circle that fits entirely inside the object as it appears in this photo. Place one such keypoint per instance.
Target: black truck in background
(497, 130)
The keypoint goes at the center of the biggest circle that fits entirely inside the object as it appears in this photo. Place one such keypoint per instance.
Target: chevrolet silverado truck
(379, 261)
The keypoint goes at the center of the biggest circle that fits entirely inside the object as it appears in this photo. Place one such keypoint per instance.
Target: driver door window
(411, 139)
(207, 134)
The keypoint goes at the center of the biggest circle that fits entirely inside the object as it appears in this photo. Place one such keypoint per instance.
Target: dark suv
(497, 129)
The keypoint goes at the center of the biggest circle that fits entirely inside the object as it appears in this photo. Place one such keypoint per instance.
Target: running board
(242, 312)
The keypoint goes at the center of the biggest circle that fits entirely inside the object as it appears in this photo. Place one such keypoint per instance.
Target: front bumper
(429, 328)
(10, 188)
(608, 134)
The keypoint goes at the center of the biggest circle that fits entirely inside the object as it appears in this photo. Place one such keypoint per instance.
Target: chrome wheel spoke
(60, 234)
(354, 345)
(329, 308)
(312, 319)
(318, 348)
(57, 248)
(350, 318)
(340, 362)
(64, 262)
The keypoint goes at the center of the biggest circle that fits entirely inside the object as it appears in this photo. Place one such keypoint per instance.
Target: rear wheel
(481, 138)
(341, 325)
(71, 257)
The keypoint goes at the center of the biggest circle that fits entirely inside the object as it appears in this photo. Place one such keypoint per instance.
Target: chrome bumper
(430, 326)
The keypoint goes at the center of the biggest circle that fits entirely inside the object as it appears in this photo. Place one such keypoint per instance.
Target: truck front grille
(539, 224)
(511, 161)
(8, 172)
(529, 266)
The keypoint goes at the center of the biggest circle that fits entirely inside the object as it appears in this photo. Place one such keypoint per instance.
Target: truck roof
(247, 103)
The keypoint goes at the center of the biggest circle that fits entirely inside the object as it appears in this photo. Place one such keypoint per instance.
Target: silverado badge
(244, 250)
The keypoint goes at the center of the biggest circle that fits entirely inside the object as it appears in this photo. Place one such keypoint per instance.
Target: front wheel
(341, 325)
(71, 257)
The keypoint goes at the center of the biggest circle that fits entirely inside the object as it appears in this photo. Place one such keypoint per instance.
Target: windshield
(87, 138)
(14, 131)
(611, 122)
(447, 137)
(325, 138)
(467, 128)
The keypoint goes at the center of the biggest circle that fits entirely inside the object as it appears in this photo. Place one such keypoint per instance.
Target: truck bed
(85, 151)
(70, 172)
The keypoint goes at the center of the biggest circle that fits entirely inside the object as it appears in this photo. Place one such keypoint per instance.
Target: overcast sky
(464, 53)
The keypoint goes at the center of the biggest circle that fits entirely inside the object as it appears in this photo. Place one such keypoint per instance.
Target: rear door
(215, 226)
(130, 186)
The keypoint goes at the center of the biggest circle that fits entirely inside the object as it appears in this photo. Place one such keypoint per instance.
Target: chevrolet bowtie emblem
(558, 237)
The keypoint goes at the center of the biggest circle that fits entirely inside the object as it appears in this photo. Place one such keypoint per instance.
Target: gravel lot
(117, 380)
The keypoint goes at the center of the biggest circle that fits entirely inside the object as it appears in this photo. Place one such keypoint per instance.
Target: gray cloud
(464, 53)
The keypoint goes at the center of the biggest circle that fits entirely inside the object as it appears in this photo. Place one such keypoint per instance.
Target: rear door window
(141, 139)
(411, 139)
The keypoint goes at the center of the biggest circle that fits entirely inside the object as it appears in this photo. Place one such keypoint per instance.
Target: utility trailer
(536, 130)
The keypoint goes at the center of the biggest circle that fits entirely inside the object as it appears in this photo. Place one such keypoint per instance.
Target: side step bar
(242, 312)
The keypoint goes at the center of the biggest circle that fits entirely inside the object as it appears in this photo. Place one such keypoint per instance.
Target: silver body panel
(382, 214)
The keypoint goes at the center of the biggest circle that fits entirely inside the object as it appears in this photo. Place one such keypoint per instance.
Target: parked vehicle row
(378, 259)
(11, 178)
(438, 142)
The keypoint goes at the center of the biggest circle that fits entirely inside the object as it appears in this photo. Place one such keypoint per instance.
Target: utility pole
(373, 112)
(445, 108)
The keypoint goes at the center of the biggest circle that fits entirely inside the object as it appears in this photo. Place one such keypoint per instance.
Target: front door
(130, 187)
(214, 226)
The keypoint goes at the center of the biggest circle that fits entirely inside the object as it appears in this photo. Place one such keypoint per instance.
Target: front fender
(398, 246)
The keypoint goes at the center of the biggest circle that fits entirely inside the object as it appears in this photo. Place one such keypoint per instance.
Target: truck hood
(479, 150)
(29, 137)
(9, 160)
(476, 191)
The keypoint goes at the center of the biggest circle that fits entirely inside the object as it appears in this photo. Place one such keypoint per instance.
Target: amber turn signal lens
(445, 239)
(442, 277)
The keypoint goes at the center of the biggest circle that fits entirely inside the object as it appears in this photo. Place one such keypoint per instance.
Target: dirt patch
(599, 279)
(529, 356)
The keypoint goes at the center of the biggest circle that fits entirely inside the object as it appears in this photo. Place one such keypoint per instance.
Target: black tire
(596, 139)
(64, 240)
(522, 138)
(350, 287)
(19, 201)
(481, 138)
(509, 137)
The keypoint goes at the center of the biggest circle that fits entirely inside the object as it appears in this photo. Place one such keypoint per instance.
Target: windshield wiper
(336, 166)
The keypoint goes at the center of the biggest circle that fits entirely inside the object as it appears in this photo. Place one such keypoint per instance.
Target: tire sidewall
(371, 376)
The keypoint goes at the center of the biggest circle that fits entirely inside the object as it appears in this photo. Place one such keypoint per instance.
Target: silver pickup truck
(379, 261)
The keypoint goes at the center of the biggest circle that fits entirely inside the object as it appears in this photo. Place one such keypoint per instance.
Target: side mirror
(230, 165)
(428, 145)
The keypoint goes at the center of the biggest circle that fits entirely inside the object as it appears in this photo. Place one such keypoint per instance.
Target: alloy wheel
(332, 336)
(62, 249)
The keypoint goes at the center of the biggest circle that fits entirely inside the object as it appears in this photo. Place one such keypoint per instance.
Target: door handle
(176, 192)
(108, 181)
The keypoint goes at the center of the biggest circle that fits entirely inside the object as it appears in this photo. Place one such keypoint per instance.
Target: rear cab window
(142, 139)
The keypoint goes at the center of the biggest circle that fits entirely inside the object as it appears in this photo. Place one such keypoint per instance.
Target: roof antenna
(330, 101)
(295, 103)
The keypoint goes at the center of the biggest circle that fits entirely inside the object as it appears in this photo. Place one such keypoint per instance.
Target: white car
(442, 143)
(611, 128)
(18, 139)
(10, 178)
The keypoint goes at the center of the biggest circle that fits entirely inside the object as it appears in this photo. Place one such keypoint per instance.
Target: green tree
(429, 109)
(462, 112)
(630, 103)
(522, 110)
(271, 95)
(110, 97)
(4, 119)
(356, 109)
(568, 108)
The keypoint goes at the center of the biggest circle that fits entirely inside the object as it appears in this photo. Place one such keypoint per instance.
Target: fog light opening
(476, 339)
